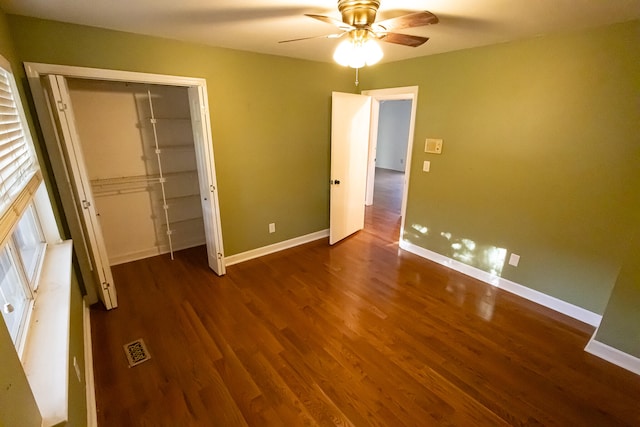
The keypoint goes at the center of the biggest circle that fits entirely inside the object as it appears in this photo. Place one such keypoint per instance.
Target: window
(22, 244)
(20, 261)
(17, 160)
(15, 300)
(35, 277)
(30, 244)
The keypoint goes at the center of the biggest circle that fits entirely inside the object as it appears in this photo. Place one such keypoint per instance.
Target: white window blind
(19, 174)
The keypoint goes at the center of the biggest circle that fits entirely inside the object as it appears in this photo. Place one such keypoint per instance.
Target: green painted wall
(541, 157)
(620, 327)
(270, 120)
(17, 404)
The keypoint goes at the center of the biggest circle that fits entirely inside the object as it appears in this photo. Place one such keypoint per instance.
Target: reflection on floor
(383, 217)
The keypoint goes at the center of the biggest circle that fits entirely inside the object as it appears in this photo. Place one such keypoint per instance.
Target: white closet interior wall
(119, 147)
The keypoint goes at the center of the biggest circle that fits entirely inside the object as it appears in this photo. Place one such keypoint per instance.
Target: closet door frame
(200, 119)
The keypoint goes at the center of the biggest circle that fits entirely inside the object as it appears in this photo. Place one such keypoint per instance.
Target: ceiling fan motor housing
(358, 13)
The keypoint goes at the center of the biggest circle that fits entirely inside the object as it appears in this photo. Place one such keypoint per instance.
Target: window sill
(46, 352)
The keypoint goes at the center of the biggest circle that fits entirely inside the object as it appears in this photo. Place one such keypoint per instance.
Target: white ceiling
(257, 26)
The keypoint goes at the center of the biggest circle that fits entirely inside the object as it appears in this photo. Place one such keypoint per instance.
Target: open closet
(132, 157)
(140, 158)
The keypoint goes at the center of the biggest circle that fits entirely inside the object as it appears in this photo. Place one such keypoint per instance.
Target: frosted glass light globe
(357, 53)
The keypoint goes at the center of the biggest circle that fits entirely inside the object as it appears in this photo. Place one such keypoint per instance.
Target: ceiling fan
(358, 24)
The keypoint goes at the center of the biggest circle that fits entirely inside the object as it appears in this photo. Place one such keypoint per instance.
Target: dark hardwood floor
(358, 334)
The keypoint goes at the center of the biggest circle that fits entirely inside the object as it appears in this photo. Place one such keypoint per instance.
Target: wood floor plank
(355, 334)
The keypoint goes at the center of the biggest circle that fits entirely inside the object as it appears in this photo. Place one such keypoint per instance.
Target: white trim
(46, 356)
(613, 355)
(155, 251)
(373, 151)
(545, 300)
(35, 70)
(391, 94)
(90, 388)
(276, 247)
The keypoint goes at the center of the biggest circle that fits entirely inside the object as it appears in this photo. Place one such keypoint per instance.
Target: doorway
(54, 105)
(394, 180)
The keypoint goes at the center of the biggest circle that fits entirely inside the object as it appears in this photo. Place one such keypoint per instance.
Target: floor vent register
(136, 352)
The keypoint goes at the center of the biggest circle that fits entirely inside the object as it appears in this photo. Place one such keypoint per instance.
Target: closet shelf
(128, 184)
(179, 221)
(174, 147)
(182, 197)
(135, 179)
(168, 119)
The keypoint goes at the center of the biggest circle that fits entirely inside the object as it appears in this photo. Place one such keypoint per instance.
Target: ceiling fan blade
(328, 36)
(404, 39)
(411, 20)
(330, 20)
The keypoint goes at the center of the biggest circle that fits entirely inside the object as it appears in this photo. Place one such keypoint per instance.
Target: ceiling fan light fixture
(363, 32)
(356, 53)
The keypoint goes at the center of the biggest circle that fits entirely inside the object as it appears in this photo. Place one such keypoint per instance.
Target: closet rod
(120, 180)
(165, 206)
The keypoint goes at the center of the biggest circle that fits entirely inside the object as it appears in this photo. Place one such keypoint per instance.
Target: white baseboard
(545, 300)
(92, 413)
(266, 250)
(613, 355)
(155, 251)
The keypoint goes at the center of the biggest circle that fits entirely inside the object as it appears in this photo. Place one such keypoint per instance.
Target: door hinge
(212, 188)
(86, 204)
(62, 106)
(106, 285)
(219, 255)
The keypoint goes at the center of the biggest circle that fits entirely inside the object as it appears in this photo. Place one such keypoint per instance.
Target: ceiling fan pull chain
(357, 81)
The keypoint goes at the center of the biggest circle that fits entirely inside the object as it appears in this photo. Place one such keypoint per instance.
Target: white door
(207, 179)
(350, 120)
(70, 147)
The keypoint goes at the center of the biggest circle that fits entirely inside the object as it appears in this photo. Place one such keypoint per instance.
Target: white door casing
(350, 122)
(391, 94)
(62, 113)
(38, 73)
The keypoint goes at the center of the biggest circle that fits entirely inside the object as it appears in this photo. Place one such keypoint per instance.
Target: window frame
(18, 339)
(20, 201)
(32, 280)
(44, 348)
(29, 286)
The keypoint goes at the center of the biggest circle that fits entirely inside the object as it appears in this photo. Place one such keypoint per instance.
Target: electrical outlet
(514, 260)
(272, 227)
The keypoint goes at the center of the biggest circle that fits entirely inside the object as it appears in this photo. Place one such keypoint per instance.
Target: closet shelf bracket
(161, 178)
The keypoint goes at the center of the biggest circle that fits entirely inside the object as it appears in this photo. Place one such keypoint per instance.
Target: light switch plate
(433, 146)
(426, 166)
(514, 260)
